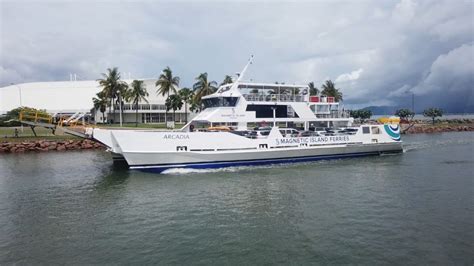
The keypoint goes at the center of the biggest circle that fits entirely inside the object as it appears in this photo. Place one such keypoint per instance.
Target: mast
(241, 74)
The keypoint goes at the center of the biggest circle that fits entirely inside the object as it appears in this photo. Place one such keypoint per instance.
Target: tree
(362, 114)
(203, 87)
(433, 113)
(111, 85)
(137, 93)
(312, 89)
(100, 103)
(166, 83)
(404, 113)
(187, 96)
(329, 90)
(174, 102)
(227, 80)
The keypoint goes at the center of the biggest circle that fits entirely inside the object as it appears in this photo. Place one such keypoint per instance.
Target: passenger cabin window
(375, 130)
(220, 102)
(266, 110)
(366, 130)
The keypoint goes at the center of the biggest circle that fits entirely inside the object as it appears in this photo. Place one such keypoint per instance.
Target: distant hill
(382, 110)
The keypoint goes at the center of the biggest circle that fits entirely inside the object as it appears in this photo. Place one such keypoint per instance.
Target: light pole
(21, 103)
(19, 92)
(412, 100)
(120, 107)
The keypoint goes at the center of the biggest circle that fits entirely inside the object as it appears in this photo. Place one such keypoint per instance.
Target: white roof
(60, 96)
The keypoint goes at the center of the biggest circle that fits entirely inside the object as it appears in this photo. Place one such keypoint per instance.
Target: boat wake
(184, 171)
(407, 147)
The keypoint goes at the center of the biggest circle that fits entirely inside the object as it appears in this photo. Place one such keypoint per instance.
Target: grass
(8, 133)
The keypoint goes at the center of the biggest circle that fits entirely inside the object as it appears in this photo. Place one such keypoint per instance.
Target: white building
(76, 96)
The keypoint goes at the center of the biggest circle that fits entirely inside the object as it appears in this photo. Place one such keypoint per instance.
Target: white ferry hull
(158, 151)
(158, 162)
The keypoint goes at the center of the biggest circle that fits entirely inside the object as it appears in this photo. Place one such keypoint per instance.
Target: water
(73, 207)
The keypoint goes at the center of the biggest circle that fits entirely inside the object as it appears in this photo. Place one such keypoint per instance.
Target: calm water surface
(74, 207)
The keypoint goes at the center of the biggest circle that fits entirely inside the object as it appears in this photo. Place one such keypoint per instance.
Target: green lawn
(8, 134)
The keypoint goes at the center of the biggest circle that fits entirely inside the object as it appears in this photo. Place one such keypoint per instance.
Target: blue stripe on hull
(210, 165)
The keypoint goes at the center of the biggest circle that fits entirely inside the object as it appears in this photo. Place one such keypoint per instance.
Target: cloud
(354, 75)
(373, 50)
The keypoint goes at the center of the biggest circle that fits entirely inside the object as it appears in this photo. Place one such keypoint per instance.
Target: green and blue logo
(393, 131)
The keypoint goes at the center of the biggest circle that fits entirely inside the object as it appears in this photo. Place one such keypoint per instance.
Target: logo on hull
(393, 131)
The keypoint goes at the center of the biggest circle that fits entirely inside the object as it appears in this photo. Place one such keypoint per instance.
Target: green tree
(313, 90)
(362, 114)
(174, 102)
(167, 83)
(227, 80)
(187, 96)
(137, 93)
(100, 103)
(404, 113)
(111, 86)
(329, 90)
(433, 113)
(203, 87)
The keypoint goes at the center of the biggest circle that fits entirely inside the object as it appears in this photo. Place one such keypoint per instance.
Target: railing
(41, 117)
(273, 98)
(335, 114)
(35, 116)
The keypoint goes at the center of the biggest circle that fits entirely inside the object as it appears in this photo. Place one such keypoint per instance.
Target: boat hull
(159, 162)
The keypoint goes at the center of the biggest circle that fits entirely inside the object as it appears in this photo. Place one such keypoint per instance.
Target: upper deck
(264, 92)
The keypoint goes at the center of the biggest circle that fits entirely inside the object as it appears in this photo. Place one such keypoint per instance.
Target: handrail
(35, 116)
(41, 117)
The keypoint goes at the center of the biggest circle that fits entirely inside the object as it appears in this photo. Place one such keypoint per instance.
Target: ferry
(247, 123)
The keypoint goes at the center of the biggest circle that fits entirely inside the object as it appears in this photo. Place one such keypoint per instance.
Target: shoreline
(41, 144)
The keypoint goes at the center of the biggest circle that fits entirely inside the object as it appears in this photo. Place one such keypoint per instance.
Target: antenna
(242, 73)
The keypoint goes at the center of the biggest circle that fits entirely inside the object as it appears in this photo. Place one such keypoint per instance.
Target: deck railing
(273, 98)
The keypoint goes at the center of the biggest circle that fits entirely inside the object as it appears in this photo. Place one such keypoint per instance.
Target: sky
(377, 52)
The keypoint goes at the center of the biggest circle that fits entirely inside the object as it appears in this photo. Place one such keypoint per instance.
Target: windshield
(220, 102)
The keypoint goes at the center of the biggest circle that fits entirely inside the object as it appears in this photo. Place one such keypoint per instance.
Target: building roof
(60, 96)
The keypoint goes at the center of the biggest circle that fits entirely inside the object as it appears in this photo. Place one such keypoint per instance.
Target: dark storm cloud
(378, 52)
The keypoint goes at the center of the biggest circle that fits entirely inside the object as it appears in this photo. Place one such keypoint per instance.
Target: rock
(61, 148)
(88, 146)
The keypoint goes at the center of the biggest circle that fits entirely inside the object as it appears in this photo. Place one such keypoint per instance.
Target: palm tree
(203, 87)
(187, 96)
(174, 102)
(166, 83)
(312, 89)
(100, 103)
(329, 90)
(227, 80)
(111, 85)
(137, 93)
(122, 93)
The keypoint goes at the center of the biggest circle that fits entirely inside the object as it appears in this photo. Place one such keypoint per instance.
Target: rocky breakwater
(423, 128)
(48, 145)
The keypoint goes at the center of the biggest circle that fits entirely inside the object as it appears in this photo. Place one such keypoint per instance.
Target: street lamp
(412, 100)
(120, 107)
(21, 104)
(19, 92)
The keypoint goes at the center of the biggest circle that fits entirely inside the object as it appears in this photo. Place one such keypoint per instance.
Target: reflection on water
(414, 207)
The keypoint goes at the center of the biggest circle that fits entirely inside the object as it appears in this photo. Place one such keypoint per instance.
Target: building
(76, 97)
